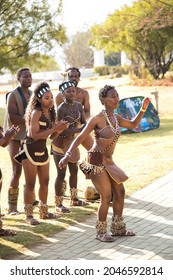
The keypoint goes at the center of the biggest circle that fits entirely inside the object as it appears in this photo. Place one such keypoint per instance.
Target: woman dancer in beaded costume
(99, 166)
(41, 124)
(73, 112)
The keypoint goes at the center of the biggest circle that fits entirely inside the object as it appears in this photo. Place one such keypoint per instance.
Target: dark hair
(34, 102)
(73, 69)
(39, 86)
(19, 71)
(103, 92)
(63, 86)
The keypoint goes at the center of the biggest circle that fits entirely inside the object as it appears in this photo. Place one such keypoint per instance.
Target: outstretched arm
(130, 124)
(77, 141)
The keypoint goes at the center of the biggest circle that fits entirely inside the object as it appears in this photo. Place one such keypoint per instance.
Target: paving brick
(148, 212)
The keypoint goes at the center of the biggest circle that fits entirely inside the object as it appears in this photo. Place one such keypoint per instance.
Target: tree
(77, 52)
(40, 63)
(27, 27)
(144, 31)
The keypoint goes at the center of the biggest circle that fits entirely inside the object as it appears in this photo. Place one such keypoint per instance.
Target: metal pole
(156, 95)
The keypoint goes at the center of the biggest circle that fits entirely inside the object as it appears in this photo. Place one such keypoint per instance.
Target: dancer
(41, 123)
(71, 111)
(17, 101)
(82, 96)
(73, 74)
(99, 166)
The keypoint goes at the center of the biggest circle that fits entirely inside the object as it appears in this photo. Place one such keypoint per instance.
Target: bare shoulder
(11, 96)
(58, 99)
(61, 106)
(78, 104)
(82, 96)
(96, 117)
(82, 91)
(11, 102)
(59, 94)
(36, 113)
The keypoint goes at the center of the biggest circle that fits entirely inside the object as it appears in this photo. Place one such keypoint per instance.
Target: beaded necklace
(72, 109)
(48, 118)
(115, 128)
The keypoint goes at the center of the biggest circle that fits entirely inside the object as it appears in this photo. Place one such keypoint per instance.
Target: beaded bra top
(115, 129)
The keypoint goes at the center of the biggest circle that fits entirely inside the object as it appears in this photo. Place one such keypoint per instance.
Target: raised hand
(13, 130)
(61, 125)
(146, 102)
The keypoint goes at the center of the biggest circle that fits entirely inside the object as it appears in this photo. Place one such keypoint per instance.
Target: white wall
(124, 59)
(99, 59)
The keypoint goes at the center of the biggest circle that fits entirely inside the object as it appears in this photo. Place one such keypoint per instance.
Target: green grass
(143, 156)
(146, 156)
(28, 236)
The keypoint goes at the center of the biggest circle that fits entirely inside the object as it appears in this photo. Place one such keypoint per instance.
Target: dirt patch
(125, 87)
(142, 82)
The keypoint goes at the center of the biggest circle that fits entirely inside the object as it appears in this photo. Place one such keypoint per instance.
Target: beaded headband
(65, 85)
(42, 91)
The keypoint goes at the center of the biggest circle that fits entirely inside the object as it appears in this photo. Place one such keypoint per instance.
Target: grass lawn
(143, 156)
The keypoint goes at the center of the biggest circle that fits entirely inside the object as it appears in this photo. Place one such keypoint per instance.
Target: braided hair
(34, 102)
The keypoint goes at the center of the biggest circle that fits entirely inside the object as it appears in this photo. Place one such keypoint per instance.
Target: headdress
(42, 91)
(65, 85)
(73, 69)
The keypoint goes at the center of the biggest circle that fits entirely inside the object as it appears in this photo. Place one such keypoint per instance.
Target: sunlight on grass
(27, 235)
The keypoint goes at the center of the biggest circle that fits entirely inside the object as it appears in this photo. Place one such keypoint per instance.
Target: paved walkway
(148, 212)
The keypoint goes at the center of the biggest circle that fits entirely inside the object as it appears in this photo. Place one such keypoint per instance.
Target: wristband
(68, 154)
(143, 110)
